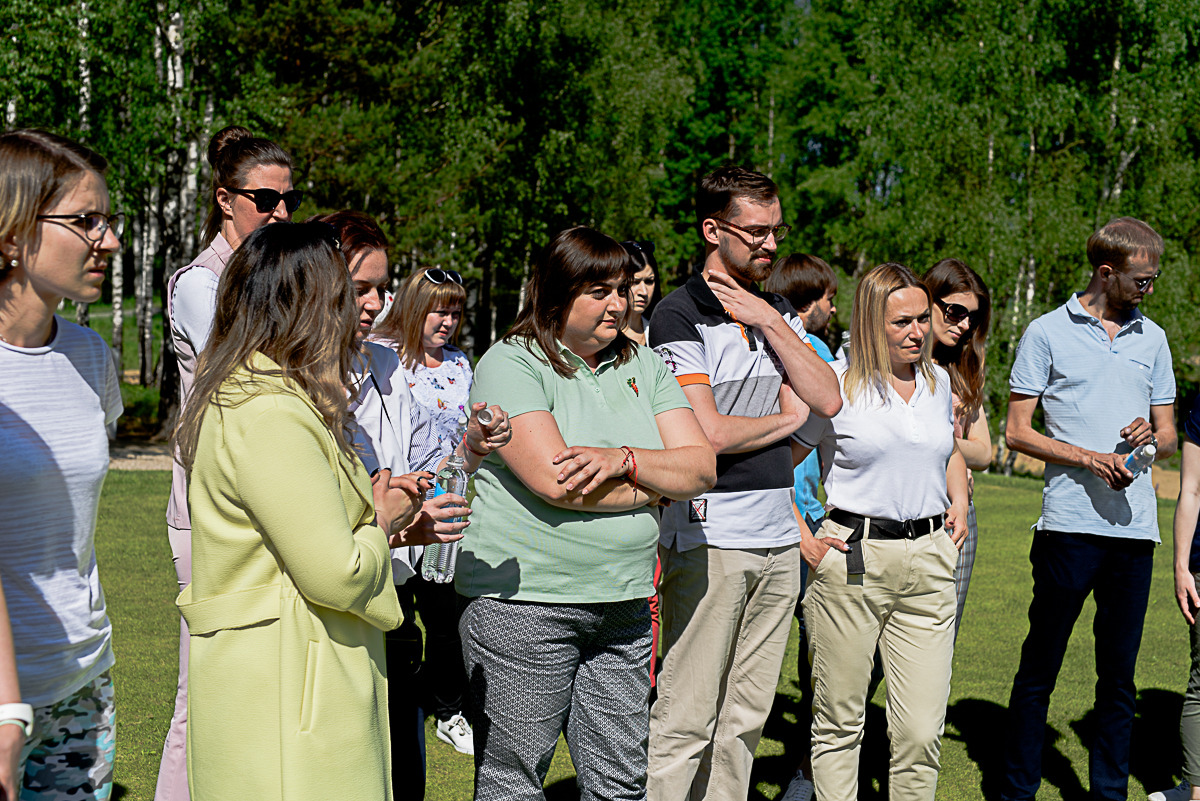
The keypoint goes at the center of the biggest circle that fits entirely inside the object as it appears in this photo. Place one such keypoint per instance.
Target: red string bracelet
(630, 459)
(467, 445)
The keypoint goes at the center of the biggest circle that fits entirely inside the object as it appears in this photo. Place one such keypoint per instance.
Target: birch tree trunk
(85, 98)
(145, 288)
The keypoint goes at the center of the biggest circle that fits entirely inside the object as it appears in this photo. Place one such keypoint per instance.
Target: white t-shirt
(55, 402)
(886, 459)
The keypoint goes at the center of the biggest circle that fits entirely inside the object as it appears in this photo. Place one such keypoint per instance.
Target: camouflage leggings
(69, 756)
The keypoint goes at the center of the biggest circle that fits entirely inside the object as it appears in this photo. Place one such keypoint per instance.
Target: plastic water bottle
(440, 558)
(1141, 458)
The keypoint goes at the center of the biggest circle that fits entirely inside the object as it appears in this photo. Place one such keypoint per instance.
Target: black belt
(879, 529)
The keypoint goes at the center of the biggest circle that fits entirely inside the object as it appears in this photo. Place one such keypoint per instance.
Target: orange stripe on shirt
(693, 378)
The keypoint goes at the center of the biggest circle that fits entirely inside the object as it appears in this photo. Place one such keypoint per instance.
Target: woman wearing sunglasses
(251, 186)
(959, 324)
(420, 326)
(58, 392)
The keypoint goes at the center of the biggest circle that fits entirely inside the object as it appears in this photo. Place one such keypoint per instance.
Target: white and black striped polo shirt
(751, 504)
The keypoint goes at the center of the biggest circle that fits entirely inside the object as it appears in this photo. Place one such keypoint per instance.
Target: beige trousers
(904, 604)
(726, 615)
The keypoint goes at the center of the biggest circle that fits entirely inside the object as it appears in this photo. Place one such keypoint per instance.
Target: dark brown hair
(1120, 239)
(233, 152)
(723, 187)
(356, 232)
(965, 360)
(37, 169)
(286, 294)
(574, 260)
(801, 278)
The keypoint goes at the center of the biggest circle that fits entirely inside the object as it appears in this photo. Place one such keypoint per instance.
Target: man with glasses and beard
(1099, 367)
(731, 558)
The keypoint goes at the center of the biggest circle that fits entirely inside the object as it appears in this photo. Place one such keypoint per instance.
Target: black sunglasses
(267, 200)
(955, 313)
(439, 276)
(1143, 283)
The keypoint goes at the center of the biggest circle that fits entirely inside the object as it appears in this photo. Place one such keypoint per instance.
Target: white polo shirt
(886, 458)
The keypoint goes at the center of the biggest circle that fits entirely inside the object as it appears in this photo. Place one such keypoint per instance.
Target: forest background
(1001, 133)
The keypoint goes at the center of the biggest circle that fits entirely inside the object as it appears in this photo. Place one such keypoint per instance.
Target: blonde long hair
(287, 295)
(405, 320)
(870, 367)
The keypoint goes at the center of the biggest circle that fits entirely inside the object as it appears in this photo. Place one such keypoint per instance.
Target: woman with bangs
(560, 557)
(962, 308)
(883, 561)
(291, 589)
(421, 326)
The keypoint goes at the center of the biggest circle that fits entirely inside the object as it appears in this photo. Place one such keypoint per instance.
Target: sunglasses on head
(955, 313)
(267, 200)
(439, 276)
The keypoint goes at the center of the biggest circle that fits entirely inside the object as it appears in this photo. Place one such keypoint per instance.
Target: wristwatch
(17, 713)
(1154, 441)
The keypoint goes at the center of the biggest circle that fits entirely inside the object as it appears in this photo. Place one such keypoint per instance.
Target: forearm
(1168, 441)
(10, 690)
(613, 495)
(811, 378)
(1026, 440)
(676, 473)
(977, 455)
(957, 487)
(735, 434)
(1184, 528)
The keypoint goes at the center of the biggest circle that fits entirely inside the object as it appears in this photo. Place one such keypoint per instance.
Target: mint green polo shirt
(520, 547)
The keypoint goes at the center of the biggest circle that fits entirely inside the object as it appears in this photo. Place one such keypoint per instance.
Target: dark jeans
(402, 647)
(443, 679)
(1066, 568)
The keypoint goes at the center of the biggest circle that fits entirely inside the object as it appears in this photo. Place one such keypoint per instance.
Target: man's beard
(750, 271)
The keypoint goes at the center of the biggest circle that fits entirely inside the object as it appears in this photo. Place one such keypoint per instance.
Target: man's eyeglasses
(439, 276)
(955, 313)
(267, 200)
(94, 224)
(1144, 283)
(759, 233)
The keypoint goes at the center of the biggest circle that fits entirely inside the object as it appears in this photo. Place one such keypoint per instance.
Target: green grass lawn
(139, 582)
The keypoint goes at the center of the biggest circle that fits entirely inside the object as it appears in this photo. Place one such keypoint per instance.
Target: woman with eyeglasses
(392, 430)
(291, 589)
(645, 291)
(251, 187)
(961, 314)
(421, 326)
(882, 563)
(59, 391)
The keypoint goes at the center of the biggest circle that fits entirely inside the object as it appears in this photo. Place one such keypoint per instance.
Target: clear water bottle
(440, 558)
(1141, 458)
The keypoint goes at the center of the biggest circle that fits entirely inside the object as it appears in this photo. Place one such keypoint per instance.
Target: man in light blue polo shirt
(1100, 368)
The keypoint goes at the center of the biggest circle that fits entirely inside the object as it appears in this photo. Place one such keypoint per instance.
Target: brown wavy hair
(574, 260)
(287, 295)
(965, 361)
(404, 324)
(39, 169)
(233, 152)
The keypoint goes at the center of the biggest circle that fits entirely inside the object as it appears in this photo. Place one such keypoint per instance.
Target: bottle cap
(485, 417)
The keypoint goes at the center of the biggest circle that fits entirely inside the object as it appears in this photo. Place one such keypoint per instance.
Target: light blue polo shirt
(808, 473)
(1091, 388)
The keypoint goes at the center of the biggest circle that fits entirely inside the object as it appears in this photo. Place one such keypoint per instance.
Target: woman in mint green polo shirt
(559, 561)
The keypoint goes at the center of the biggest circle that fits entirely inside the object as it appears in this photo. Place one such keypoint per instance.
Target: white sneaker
(801, 789)
(457, 732)
(1181, 793)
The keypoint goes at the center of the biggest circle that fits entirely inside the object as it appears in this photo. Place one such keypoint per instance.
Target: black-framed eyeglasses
(328, 230)
(955, 313)
(644, 247)
(759, 233)
(94, 224)
(437, 275)
(1144, 283)
(267, 200)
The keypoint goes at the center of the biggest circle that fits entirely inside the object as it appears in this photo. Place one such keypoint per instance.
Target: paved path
(139, 456)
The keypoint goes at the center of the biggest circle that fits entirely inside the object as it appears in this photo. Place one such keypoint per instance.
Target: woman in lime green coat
(291, 580)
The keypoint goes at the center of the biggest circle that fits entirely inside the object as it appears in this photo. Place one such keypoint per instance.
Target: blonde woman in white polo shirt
(897, 492)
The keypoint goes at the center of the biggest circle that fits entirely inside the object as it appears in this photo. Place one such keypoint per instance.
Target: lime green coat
(291, 593)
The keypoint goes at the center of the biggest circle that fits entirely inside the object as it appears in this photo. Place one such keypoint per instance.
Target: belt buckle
(909, 529)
